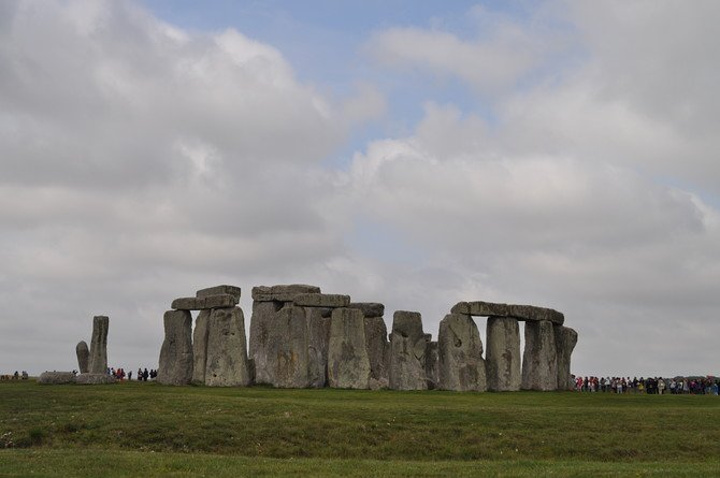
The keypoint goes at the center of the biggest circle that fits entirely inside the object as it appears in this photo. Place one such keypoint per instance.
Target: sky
(414, 153)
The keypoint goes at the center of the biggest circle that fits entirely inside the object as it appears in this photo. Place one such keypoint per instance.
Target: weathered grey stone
(408, 346)
(200, 341)
(531, 313)
(520, 312)
(98, 345)
(176, 354)
(565, 341)
(56, 378)
(83, 356)
(462, 367)
(282, 293)
(432, 363)
(226, 363)
(94, 379)
(318, 336)
(348, 362)
(219, 290)
(378, 349)
(261, 330)
(287, 358)
(539, 368)
(321, 300)
(369, 309)
(503, 354)
(207, 302)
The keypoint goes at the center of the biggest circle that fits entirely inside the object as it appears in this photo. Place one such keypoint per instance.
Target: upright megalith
(432, 363)
(348, 362)
(460, 350)
(83, 356)
(503, 354)
(176, 353)
(408, 348)
(565, 341)
(539, 367)
(226, 362)
(98, 345)
(287, 357)
(376, 342)
(200, 341)
(317, 324)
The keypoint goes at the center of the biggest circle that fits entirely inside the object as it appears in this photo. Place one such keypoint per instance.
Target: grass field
(144, 429)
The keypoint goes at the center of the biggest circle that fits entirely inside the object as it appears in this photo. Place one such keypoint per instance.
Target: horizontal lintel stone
(282, 293)
(217, 290)
(322, 300)
(369, 309)
(529, 313)
(209, 302)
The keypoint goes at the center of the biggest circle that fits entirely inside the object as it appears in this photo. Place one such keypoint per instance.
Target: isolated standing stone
(503, 354)
(348, 362)
(98, 345)
(226, 363)
(83, 356)
(200, 340)
(176, 354)
(565, 341)
(378, 349)
(408, 346)
(462, 367)
(318, 337)
(539, 368)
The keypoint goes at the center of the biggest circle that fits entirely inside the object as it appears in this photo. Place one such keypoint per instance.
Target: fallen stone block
(56, 378)
(94, 379)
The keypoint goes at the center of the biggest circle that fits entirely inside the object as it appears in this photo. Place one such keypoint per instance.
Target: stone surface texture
(408, 347)
(219, 290)
(348, 362)
(94, 379)
(56, 378)
(318, 337)
(226, 362)
(176, 354)
(503, 359)
(539, 368)
(199, 343)
(378, 349)
(565, 341)
(521, 312)
(207, 302)
(369, 309)
(460, 350)
(98, 345)
(282, 293)
(83, 356)
(322, 300)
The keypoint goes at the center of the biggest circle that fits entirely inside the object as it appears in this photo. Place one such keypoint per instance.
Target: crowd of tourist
(651, 385)
(143, 374)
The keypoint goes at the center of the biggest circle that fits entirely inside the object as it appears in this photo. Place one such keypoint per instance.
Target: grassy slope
(432, 431)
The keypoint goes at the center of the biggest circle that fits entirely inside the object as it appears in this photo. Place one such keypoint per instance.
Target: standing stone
(378, 349)
(408, 346)
(226, 363)
(432, 363)
(261, 330)
(286, 364)
(200, 338)
(348, 362)
(462, 367)
(318, 336)
(565, 341)
(539, 368)
(98, 345)
(83, 356)
(176, 354)
(503, 354)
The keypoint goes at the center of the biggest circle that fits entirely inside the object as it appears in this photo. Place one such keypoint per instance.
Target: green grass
(147, 429)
